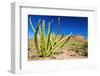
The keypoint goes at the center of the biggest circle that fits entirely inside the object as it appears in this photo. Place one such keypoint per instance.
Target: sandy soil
(66, 52)
(62, 53)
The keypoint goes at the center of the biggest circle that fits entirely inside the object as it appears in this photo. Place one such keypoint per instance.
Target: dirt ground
(69, 51)
(65, 54)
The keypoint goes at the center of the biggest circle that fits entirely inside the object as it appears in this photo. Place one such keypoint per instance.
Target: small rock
(52, 57)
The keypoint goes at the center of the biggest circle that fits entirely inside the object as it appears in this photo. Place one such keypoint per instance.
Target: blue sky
(76, 25)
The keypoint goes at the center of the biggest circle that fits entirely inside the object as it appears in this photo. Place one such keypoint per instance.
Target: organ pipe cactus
(47, 45)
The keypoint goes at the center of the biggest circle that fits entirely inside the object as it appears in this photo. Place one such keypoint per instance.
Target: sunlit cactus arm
(55, 42)
(42, 36)
(36, 36)
(39, 29)
(67, 39)
(30, 21)
(48, 36)
(59, 44)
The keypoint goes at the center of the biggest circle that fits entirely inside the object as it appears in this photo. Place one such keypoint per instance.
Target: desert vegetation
(54, 46)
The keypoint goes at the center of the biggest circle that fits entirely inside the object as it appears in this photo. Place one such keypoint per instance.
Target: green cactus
(47, 45)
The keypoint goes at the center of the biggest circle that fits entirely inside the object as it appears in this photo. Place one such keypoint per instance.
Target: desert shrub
(85, 48)
(80, 48)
